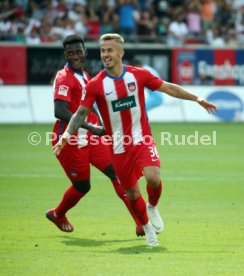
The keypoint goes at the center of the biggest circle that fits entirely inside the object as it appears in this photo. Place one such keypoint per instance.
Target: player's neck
(117, 71)
(80, 71)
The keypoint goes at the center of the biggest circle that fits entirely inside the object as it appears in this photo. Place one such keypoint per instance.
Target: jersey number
(154, 152)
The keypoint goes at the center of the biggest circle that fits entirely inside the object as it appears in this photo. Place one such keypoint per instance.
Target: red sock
(154, 194)
(122, 194)
(70, 198)
(139, 208)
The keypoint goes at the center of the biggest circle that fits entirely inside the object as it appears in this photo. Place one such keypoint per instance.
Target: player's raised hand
(60, 144)
(210, 107)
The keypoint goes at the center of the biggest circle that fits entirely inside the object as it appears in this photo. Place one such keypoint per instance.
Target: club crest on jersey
(132, 86)
(63, 90)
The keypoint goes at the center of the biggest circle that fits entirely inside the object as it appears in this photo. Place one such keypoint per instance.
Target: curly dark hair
(70, 39)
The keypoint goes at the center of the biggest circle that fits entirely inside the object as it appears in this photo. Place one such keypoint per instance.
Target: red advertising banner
(208, 66)
(13, 64)
(183, 66)
(222, 59)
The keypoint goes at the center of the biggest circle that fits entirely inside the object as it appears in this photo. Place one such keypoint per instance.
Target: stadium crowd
(171, 22)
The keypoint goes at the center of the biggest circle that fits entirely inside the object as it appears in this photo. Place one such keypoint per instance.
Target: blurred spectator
(162, 29)
(45, 33)
(62, 8)
(21, 3)
(208, 9)
(33, 37)
(127, 17)
(240, 31)
(214, 37)
(36, 10)
(77, 13)
(33, 27)
(144, 20)
(6, 6)
(223, 14)
(161, 8)
(68, 27)
(51, 12)
(231, 39)
(57, 29)
(178, 30)
(71, 3)
(146, 26)
(93, 25)
(238, 5)
(32, 31)
(193, 18)
(107, 16)
(78, 16)
(144, 5)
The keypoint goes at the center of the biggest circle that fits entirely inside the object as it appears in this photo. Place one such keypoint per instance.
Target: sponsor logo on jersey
(63, 90)
(123, 104)
(132, 86)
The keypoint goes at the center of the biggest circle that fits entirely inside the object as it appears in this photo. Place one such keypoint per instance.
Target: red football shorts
(129, 165)
(76, 161)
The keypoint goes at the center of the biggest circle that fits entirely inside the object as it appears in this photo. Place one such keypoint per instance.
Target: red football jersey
(69, 86)
(121, 102)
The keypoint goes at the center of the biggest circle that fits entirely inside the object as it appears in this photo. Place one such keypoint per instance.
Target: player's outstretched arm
(75, 122)
(210, 107)
(177, 91)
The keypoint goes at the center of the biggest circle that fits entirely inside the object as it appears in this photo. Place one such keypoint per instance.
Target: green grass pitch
(202, 206)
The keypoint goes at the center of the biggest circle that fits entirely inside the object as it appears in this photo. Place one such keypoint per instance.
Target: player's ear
(122, 52)
(86, 53)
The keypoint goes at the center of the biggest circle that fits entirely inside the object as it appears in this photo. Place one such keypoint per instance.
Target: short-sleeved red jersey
(121, 102)
(69, 87)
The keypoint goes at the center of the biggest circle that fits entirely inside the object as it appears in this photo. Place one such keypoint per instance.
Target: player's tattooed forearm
(182, 94)
(178, 93)
(76, 121)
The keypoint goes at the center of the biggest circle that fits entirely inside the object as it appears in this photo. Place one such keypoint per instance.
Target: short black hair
(70, 39)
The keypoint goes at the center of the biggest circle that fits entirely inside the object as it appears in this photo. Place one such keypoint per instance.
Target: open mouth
(106, 61)
(77, 63)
